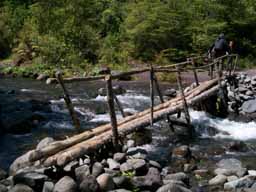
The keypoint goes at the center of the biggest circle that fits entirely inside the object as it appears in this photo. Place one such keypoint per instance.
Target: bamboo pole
(152, 95)
(68, 102)
(185, 106)
(112, 113)
(119, 105)
(162, 101)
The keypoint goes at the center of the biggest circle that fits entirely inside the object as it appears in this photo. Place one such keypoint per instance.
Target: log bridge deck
(59, 153)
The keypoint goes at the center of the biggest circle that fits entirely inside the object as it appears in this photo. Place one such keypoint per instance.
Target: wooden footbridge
(61, 152)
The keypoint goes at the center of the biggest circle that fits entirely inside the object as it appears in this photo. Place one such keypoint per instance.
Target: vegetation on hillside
(82, 34)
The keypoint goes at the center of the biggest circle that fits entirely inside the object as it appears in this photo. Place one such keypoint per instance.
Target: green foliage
(83, 34)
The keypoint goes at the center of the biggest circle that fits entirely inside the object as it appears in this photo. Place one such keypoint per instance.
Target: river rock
(226, 172)
(48, 186)
(113, 164)
(106, 182)
(238, 146)
(249, 106)
(118, 90)
(97, 169)
(122, 181)
(120, 190)
(170, 93)
(111, 172)
(253, 83)
(232, 178)
(242, 89)
(218, 180)
(155, 164)
(249, 93)
(130, 143)
(65, 184)
(201, 172)
(33, 179)
(229, 164)
(3, 188)
(172, 187)
(244, 182)
(44, 142)
(42, 77)
(3, 174)
(21, 188)
(119, 157)
(89, 184)
(126, 167)
(50, 81)
(82, 172)
(178, 177)
(137, 153)
(252, 172)
(139, 165)
(182, 152)
(71, 166)
(152, 181)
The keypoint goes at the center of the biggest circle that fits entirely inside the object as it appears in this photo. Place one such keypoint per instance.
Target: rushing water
(92, 110)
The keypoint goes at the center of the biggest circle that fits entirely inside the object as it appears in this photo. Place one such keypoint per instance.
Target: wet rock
(170, 93)
(252, 172)
(178, 177)
(119, 157)
(218, 180)
(249, 106)
(229, 164)
(137, 153)
(120, 190)
(44, 142)
(50, 81)
(42, 77)
(106, 182)
(113, 164)
(122, 182)
(244, 182)
(201, 172)
(3, 188)
(172, 187)
(139, 165)
(65, 184)
(89, 184)
(21, 188)
(152, 181)
(82, 172)
(48, 186)
(238, 146)
(97, 169)
(70, 167)
(155, 164)
(126, 167)
(3, 174)
(32, 179)
(130, 143)
(181, 152)
(232, 178)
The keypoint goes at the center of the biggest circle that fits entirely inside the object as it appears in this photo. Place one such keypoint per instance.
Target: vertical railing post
(162, 101)
(194, 71)
(185, 106)
(112, 113)
(152, 95)
(68, 101)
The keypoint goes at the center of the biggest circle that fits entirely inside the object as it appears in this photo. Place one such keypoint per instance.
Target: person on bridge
(220, 47)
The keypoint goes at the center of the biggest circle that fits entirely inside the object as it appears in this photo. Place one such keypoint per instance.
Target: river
(92, 110)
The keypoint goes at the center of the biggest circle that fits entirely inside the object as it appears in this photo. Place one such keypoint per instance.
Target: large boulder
(244, 182)
(106, 182)
(173, 187)
(32, 179)
(152, 181)
(249, 106)
(65, 184)
(89, 184)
